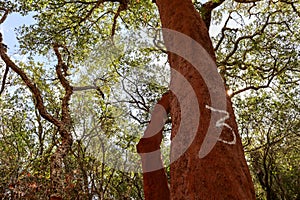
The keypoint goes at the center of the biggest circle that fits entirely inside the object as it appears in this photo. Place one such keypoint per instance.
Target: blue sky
(8, 31)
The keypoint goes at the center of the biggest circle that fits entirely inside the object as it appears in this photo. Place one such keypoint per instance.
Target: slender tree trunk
(223, 172)
(56, 166)
(64, 125)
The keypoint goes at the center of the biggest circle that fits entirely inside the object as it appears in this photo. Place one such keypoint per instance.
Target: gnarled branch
(60, 68)
(32, 86)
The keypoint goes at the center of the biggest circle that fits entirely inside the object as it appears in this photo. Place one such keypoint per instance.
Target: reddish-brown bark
(154, 180)
(223, 173)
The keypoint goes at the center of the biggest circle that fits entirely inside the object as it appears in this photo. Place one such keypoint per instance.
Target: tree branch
(89, 87)
(98, 3)
(225, 28)
(120, 9)
(6, 12)
(60, 67)
(207, 9)
(154, 179)
(33, 88)
(238, 40)
(262, 86)
(83, 88)
(4, 80)
(293, 6)
(246, 1)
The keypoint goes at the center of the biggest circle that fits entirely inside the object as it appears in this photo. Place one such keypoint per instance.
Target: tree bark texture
(221, 174)
(56, 166)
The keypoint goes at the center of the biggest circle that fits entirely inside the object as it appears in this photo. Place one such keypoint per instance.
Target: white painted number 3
(221, 122)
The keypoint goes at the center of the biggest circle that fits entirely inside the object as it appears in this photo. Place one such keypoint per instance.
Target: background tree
(264, 87)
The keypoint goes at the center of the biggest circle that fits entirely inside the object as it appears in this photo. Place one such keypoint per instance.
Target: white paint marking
(221, 122)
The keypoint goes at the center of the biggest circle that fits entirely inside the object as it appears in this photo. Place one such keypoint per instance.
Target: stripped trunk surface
(223, 173)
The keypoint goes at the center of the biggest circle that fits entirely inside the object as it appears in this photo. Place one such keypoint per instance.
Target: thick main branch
(154, 175)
